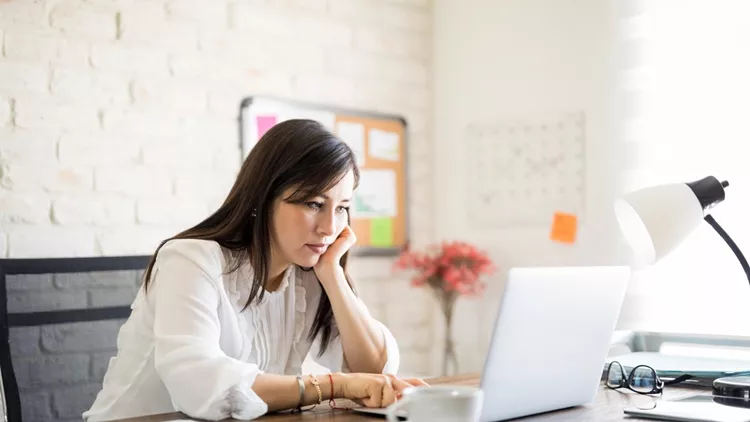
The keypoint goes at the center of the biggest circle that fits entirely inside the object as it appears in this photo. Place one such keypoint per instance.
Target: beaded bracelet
(314, 381)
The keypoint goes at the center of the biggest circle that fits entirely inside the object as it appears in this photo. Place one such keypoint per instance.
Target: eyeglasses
(642, 379)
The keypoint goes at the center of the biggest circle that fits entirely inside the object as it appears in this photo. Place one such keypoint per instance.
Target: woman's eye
(342, 210)
(315, 205)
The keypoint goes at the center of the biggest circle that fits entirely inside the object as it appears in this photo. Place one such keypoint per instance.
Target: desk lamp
(655, 220)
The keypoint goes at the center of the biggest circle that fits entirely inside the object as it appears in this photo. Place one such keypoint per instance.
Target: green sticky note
(381, 232)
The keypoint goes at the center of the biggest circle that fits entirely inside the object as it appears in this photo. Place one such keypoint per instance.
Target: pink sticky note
(264, 123)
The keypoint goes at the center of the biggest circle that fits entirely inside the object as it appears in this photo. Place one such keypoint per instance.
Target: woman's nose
(327, 224)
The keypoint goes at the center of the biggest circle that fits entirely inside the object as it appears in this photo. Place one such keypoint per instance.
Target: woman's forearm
(281, 392)
(362, 338)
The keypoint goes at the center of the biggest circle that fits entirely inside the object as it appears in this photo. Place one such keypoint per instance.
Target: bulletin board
(379, 209)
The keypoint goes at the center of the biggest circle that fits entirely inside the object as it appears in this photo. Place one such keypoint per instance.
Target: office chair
(34, 280)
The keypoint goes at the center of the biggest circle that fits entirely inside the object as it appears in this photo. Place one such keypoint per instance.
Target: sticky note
(264, 123)
(381, 232)
(383, 145)
(564, 228)
(354, 135)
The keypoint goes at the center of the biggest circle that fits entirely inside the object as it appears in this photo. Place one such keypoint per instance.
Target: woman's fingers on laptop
(378, 390)
(416, 382)
(360, 402)
(399, 384)
(394, 387)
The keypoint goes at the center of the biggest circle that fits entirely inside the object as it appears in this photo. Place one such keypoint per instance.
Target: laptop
(552, 334)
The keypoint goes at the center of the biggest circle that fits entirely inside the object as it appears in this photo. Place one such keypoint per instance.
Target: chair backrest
(59, 319)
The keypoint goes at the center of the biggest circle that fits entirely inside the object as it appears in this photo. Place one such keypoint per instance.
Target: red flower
(449, 267)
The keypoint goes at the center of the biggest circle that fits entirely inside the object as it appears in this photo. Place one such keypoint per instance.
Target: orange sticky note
(564, 227)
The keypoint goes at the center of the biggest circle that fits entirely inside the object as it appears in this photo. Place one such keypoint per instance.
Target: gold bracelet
(314, 381)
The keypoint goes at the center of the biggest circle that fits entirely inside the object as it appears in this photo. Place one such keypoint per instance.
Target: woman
(230, 308)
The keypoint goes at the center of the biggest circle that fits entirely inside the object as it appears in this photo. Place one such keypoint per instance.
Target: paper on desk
(671, 365)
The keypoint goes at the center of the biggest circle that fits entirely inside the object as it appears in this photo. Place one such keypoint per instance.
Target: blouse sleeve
(202, 381)
(333, 357)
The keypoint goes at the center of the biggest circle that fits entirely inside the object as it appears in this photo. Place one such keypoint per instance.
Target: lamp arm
(730, 242)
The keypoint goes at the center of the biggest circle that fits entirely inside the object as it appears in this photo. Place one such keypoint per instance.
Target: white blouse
(187, 346)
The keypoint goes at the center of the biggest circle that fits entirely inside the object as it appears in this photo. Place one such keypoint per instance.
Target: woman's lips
(317, 248)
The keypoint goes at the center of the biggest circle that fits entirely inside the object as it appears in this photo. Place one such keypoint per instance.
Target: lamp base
(734, 386)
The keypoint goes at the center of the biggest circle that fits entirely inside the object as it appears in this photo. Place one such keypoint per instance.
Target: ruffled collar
(300, 307)
(238, 289)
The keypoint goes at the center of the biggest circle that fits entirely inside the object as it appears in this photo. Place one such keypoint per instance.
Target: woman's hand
(374, 390)
(328, 263)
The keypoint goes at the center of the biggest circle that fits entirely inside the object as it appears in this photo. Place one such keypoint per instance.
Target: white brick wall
(31, 146)
(33, 45)
(31, 209)
(4, 112)
(30, 176)
(3, 244)
(171, 210)
(44, 240)
(99, 210)
(71, 82)
(22, 14)
(133, 181)
(39, 112)
(141, 59)
(406, 15)
(95, 149)
(113, 138)
(23, 78)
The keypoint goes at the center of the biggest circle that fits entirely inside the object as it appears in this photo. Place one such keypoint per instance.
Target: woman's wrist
(335, 385)
(331, 274)
(331, 387)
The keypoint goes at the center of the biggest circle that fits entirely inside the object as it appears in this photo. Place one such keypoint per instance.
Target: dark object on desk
(738, 387)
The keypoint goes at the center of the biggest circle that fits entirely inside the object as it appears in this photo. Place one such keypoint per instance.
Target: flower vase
(448, 304)
(450, 270)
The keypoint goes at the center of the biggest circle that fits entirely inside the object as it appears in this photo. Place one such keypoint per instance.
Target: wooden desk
(607, 407)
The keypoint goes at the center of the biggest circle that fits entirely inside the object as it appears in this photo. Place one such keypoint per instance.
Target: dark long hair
(299, 154)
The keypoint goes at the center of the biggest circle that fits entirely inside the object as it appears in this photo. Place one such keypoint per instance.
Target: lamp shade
(655, 220)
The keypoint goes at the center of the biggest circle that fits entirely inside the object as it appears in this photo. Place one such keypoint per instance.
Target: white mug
(439, 403)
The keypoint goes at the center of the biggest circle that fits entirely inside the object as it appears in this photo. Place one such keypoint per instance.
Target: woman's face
(302, 232)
